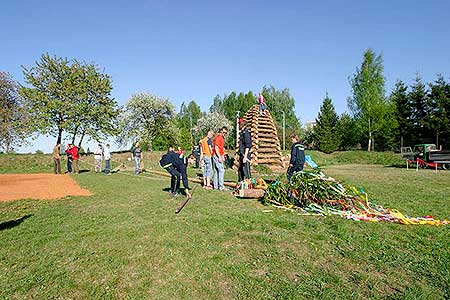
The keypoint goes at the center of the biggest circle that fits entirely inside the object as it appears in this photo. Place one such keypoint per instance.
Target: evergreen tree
(438, 115)
(326, 134)
(418, 99)
(347, 131)
(403, 113)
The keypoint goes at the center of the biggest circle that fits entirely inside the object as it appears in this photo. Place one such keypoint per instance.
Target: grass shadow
(14, 223)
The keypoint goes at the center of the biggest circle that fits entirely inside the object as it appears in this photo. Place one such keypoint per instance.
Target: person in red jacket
(72, 151)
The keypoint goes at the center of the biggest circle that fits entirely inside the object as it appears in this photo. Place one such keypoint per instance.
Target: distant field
(125, 242)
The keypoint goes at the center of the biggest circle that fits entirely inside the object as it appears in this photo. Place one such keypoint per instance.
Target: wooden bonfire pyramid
(266, 148)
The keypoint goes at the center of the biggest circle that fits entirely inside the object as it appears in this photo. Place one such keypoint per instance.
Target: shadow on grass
(14, 223)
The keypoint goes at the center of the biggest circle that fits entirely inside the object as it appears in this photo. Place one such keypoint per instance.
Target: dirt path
(38, 186)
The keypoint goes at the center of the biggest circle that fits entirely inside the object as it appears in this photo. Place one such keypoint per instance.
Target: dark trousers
(69, 164)
(243, 169)
(57, 165)
(292, 170)
(175, 180)
(107, 166)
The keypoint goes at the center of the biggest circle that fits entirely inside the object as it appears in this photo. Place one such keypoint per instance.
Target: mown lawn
(126, 242)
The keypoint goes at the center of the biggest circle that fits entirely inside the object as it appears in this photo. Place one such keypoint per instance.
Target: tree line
(418, 113)
(70, 99)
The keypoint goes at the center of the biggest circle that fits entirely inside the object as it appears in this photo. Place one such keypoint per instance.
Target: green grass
(125, 242)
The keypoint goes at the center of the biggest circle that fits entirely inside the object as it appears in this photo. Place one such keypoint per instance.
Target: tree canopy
(146, 117)
(67, 95)
(13, 117)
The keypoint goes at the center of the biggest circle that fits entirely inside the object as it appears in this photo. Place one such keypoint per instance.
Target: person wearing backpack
(297, 157)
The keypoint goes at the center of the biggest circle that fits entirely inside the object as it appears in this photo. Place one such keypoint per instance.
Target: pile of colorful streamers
(312, 193)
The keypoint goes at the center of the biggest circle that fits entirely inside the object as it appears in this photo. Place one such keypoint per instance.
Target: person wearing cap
(219, 158)
(245, 145)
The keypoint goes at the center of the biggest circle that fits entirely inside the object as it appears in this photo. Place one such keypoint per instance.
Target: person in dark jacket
(297, 157)
(173, 164)
(245, 145)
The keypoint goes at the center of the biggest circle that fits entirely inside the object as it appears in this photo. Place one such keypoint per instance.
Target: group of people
(101, 154)
(212, 156)
(73, 157)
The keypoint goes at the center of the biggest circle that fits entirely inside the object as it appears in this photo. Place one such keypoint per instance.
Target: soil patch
(38, 186)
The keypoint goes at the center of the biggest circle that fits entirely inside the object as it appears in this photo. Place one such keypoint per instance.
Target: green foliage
(326, 134)
(13, 116)
(439, 109)
(402, 113)
(368, 103)
(147, 117)
(66, 95)
(262, 169)
(386, 158)
(348, 132)
(279, 101)
(418, 97)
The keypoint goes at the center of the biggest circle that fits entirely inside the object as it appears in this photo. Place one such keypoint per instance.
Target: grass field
(125, 242)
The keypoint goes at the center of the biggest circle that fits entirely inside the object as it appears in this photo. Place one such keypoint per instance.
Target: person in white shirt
(107, 156)
(98, 158)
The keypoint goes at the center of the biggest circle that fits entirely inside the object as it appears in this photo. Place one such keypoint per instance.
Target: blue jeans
(219, 172)
(137, 164)
(107, 166)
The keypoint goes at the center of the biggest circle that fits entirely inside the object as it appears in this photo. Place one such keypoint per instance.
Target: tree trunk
(58, 140)
(373, 144)
(401, 142)
(437, 139)
(74, 135)
(370, 139)
(81, 139)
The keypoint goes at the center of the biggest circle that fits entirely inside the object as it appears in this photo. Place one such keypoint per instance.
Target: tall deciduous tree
(214, 121)
(66, 95)
(146, 117)
(279, 102)
(326, 134)
(368, 103)
(13, 118)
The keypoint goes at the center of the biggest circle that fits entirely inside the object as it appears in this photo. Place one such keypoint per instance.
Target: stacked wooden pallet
(266, 148)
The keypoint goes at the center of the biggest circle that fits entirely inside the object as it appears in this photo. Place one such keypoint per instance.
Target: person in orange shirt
(206, 151)
(219, 158)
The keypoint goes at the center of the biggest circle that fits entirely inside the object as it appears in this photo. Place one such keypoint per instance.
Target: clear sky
(188, 50)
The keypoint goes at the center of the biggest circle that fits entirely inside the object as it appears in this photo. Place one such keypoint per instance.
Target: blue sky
(188, 50)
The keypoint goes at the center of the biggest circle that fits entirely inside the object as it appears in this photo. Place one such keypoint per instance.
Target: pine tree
(403, 113)
(438, 115)
(326, 135)
(418, 98)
